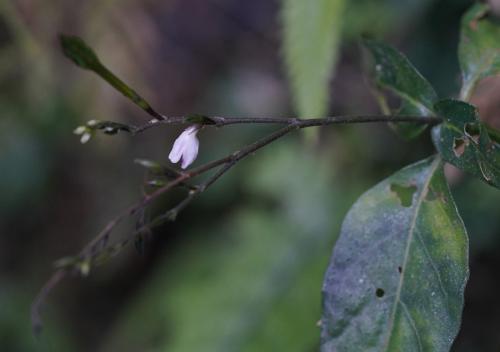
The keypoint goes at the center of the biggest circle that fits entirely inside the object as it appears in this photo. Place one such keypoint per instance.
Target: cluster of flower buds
(185, 148)
(86, 131)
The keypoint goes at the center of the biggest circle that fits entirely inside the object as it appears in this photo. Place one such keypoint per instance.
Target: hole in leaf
(458, 147)
(379, 293)
(472, 131)
(404, 193)
(400, 270)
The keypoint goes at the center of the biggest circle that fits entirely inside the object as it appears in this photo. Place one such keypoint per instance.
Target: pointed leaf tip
(392, 70)
(79, 52)
(82, 55)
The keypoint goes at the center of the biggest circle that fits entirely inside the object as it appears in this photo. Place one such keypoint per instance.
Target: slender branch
(94, 248)
(225, 165)
(222, 121)
(219, 121)
(36, 319)
(146, 200)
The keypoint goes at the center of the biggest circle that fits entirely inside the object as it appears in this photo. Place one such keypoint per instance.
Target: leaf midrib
(420, 199)
(415, 101)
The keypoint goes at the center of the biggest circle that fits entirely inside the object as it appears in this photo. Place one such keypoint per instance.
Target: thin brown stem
(220, 121)
(94, 248)
(36, 319)
(230, 160)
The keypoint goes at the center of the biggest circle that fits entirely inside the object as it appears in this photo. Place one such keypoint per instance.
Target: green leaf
(81, 54)
(311, 37)
(397, 275)
(151, 165)
(391, 70)
(479, 48)
(161, 175)
(200, 119)
(463, 141)
(158, 169)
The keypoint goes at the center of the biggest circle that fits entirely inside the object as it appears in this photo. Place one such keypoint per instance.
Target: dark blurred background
(241, 268)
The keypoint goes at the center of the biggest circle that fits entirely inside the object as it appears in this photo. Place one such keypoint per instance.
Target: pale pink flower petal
(176, 153)
(185, 147)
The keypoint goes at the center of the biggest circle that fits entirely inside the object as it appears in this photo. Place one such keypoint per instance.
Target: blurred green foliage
(15, 334)
(243, 266)
(311, 40)
(244, 284)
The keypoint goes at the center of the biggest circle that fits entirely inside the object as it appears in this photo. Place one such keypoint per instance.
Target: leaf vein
(433, 265)
(411, 321)
(420, 199)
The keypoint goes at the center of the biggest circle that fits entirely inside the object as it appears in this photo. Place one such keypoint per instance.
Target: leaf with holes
(479, 48)
(393, 71)
(463, 141)
(397, 275)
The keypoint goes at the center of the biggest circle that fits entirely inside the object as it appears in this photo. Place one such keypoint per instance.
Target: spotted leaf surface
(397, 275)
(464, 141)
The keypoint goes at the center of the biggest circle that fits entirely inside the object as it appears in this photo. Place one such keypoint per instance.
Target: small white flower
(85, 137)
(185, 147)
(80, 130)
(84, 132)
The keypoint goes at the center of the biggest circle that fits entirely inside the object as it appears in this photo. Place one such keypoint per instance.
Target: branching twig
(93, 251)
(219, 121)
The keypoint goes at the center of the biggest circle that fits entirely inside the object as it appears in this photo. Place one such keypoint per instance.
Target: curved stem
(36, 320)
